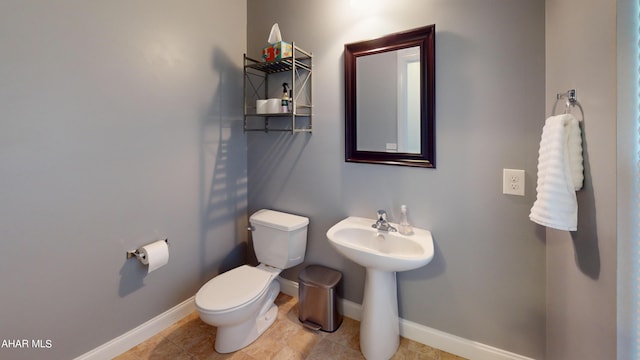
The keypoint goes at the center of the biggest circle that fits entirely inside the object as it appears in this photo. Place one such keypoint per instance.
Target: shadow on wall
(270, 172)
(432, 270)
(585, 240)
(275, 163)
(132, 274)
(223, 178)
(223, 183)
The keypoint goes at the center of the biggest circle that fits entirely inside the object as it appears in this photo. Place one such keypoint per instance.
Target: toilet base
(236, 337)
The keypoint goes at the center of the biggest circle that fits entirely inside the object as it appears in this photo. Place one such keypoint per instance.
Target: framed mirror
(390, 99)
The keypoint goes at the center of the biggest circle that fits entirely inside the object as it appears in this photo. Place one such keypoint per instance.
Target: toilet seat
(233, 289)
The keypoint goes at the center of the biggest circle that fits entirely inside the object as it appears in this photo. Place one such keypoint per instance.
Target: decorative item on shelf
(277, 49)
(261, 106)
(284, 104)
(291, 106)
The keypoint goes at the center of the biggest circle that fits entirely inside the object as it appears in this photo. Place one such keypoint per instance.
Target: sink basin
(383, 254)
(354, 238)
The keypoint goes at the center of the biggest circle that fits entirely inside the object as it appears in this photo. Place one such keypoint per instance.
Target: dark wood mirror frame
(424, 37)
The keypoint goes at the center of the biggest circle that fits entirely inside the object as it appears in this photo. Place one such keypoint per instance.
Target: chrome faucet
(382, 224)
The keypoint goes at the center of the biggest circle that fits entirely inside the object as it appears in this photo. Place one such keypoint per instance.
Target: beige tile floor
(286, 339)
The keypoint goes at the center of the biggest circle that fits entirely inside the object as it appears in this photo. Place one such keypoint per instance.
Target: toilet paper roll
(261, 106)
(155, 255)
(273, 105)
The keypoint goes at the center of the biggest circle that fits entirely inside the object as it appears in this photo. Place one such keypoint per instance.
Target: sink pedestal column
(380, 326)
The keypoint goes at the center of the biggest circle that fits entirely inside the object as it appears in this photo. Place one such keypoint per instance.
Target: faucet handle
(382, 215)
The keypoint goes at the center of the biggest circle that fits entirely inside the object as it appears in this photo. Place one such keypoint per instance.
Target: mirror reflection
(388, 107)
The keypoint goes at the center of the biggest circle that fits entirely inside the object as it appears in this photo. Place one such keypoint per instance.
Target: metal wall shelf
(296, 71)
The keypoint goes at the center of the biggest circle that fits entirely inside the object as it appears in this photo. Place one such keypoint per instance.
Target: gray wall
(627, 177)
(487, 280)
(120, 125)
(581, 266)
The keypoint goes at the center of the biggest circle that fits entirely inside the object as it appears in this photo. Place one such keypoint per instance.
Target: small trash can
(319, 307)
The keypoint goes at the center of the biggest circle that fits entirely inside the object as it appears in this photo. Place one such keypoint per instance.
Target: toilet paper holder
(138, 254)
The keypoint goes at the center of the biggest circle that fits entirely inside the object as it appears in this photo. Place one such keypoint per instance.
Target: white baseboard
(408, 329)
(424, 334)
(141, 333)
(454, 344)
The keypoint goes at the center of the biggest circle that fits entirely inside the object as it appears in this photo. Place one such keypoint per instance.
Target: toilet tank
(279, 239)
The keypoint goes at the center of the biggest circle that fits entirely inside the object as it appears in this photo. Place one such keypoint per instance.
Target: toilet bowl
(240, 302)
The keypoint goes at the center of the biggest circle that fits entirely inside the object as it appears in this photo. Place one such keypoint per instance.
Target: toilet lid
(233, 288)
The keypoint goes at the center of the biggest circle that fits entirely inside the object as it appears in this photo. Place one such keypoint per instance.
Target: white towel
(560, 174)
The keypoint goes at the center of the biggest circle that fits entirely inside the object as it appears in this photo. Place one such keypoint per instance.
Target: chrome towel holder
(571, 101)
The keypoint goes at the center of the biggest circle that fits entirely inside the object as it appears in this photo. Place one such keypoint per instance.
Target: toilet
(240, 302)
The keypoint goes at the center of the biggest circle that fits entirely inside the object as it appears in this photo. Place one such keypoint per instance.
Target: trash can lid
(320, 275)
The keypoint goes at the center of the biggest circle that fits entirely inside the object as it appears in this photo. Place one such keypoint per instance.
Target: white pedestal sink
(382, 254)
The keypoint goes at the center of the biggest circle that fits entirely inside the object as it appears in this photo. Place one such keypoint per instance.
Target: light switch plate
(513, 182)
